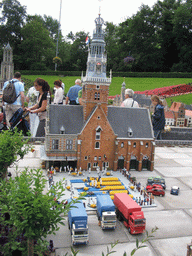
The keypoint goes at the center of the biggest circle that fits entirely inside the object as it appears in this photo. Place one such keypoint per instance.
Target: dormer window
(130, 132)
(62, 130)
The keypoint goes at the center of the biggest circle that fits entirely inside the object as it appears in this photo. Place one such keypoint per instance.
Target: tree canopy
(156, 38)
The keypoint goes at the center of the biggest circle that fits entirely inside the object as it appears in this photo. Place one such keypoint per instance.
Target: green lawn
(137, 84)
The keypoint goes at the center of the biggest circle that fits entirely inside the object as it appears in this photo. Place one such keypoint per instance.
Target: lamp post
(58, 34)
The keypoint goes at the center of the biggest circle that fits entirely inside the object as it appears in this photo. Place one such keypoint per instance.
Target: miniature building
(94, 134)
(169, 118)
(188, 118)
(7, 66)
(179, 112)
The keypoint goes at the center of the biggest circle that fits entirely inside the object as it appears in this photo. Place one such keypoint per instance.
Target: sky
(79, 15)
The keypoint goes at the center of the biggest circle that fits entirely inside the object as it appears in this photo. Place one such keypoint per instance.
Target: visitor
(40, 107)
(58, 96)
(73, 93)
(62, 85)
(11, 108)
(129, 102)
(158, 117)
(31, 98)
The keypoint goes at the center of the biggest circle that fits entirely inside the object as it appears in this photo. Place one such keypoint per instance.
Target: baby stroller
(3, 124)
(19, 120)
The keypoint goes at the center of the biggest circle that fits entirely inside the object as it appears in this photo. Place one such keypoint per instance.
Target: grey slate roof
(142, 99)
(70, 117)
(138, 119)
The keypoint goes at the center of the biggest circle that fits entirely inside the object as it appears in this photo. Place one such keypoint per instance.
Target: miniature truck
(106, 212)
(78, 224)
(130, 212)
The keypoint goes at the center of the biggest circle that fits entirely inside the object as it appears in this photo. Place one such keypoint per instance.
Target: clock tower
(95, 84)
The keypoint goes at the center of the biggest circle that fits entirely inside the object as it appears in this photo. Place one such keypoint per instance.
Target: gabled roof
(122, 121)
(137, 119)
(169, 114)
(70, 117)
(175, 106)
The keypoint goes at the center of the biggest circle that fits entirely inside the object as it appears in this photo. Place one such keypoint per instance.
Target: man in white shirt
(129, 102)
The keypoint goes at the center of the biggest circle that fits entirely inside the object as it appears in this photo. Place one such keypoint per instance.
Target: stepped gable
(137, 119)
(68, 117)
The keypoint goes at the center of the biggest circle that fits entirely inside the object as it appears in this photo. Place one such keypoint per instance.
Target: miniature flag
(87, 40)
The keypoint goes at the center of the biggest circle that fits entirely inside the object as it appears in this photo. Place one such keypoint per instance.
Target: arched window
(97, 145)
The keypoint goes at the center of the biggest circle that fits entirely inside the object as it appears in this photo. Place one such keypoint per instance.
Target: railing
(95, 79)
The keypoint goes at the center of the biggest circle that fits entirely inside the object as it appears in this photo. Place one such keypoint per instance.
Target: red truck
(130, 212)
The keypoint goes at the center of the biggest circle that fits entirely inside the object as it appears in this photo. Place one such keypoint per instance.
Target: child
(158, 117)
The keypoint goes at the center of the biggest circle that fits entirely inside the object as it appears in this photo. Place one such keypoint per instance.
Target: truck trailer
(130, 212)
(106, 212)
(78, 224)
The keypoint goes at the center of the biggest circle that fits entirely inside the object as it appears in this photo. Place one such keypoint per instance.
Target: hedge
(114, 74)
(50, 73)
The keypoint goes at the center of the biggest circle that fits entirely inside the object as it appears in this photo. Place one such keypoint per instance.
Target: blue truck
(106, 212)
(78, 224)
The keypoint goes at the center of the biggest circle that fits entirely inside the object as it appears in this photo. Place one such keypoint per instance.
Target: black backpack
(9, 93)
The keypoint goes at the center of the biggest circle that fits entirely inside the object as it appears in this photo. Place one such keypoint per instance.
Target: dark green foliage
(158, 38)
(13, 147)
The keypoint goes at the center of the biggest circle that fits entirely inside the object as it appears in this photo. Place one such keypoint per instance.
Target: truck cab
(106, 212)
(137, 223)
(108, 220)
(78, 224)
(79, 234)
(130, 213)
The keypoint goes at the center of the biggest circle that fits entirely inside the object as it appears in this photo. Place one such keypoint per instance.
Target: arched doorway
(146, 163)
(133, 163)
(121, 162)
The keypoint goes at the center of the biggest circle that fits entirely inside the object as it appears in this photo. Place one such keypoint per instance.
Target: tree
(78, 56)
(137, 38)
(36, 46)
(13, 147)
(34, 213)
(164, 13)
(182, 29)
(48, 22)
(112, 46)
(12, 19)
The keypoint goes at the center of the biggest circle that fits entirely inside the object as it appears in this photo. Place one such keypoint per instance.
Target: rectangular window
(55, 144)
(98, 135)
(69, 144)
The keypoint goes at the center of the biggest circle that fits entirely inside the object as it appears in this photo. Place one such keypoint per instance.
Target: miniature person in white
(129, 102)
(58, 97)
(31, 98)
